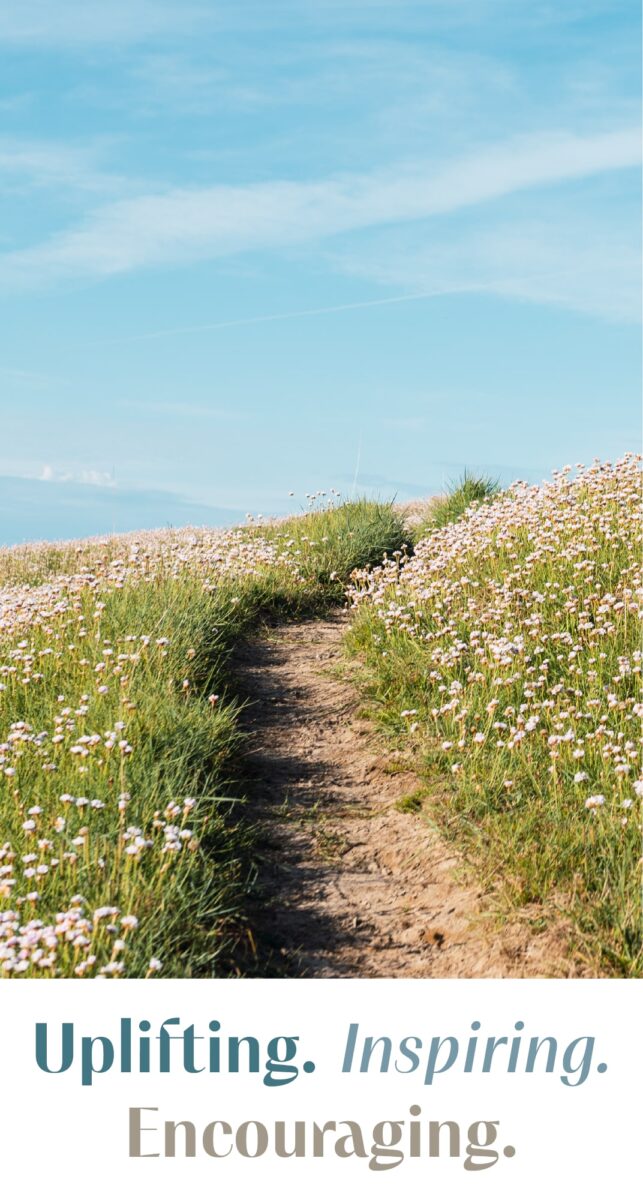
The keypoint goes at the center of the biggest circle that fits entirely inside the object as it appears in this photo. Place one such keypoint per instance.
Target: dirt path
(349, 885)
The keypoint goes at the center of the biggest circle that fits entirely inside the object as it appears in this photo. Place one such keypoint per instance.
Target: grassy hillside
(121, 849)
(504, 655)
(501, 655)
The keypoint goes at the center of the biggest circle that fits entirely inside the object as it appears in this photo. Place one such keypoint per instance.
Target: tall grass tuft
(460, 495)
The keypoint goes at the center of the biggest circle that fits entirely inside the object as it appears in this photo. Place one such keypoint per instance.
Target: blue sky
(254, 248)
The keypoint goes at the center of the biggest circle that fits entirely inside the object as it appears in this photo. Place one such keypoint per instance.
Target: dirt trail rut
(348, 885)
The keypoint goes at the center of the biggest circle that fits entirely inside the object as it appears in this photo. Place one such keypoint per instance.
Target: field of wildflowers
(505, 654)
(122, 852)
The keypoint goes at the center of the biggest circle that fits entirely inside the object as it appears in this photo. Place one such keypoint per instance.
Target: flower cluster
(96, 943)
(71, 733)
(521, 621)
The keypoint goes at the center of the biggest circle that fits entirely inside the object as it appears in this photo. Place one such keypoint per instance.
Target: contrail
(359, 457)
(283, 316)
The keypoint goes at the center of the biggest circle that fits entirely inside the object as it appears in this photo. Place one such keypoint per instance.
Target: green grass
(146, 647)
(413, 802)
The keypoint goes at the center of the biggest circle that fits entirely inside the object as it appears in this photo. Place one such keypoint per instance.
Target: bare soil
(348, 885)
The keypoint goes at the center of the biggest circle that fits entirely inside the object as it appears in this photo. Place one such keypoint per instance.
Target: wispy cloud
(22, 378)
(76, 23)
(71, 23)
(266, 318)
(86, 475)
(561, 258)
(29, 164)
(185, 224)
